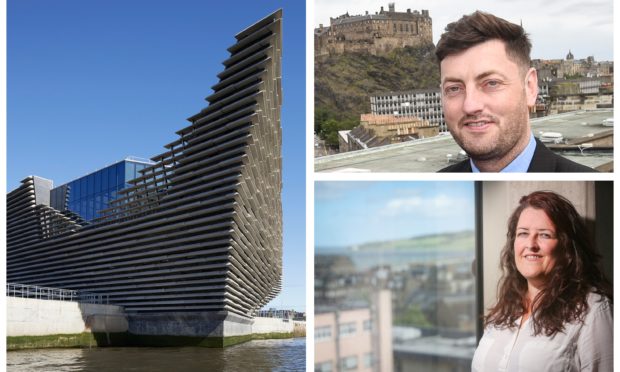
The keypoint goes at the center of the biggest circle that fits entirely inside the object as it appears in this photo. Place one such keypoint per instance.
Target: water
(258, 355)
(400, 259)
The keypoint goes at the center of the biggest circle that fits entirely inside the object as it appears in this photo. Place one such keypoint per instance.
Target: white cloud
(440, 205)
(402, 206)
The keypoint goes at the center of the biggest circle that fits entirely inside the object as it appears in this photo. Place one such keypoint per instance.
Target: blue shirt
(520, 164)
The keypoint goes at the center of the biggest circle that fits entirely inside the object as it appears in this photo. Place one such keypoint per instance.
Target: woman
(554, 309)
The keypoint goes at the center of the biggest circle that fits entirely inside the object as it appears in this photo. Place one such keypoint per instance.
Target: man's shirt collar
(520, 164)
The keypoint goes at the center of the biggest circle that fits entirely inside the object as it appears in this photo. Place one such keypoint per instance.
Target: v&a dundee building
(193, 245)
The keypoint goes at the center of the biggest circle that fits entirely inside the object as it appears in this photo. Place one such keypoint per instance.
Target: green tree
(412, 316)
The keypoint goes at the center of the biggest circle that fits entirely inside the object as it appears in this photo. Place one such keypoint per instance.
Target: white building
(422, 103)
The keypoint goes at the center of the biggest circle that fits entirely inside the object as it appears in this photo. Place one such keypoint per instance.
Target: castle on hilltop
(376, 33)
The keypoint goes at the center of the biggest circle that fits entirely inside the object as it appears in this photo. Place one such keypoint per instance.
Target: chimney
(391, 6)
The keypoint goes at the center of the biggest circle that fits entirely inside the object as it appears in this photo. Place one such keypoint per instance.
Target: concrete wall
(31, 317)
(383, 331)
(192, 324)
(274, 325)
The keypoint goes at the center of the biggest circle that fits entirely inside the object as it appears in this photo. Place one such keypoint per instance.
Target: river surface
(257, 355)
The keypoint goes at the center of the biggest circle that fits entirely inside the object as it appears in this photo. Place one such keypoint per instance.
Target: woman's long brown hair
(564, 298)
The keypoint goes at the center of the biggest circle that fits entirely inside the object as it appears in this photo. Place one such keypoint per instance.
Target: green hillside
(463, 240)
(343, 83)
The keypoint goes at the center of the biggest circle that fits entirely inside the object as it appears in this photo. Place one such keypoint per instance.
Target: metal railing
(281, 314)
(58, 294)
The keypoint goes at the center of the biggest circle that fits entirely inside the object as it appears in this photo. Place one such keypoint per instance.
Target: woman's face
(535, 244)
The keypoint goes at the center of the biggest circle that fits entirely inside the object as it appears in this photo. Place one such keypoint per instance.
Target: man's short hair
(479, 27)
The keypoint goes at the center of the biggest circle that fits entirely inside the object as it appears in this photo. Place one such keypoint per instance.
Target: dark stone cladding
(199, 231)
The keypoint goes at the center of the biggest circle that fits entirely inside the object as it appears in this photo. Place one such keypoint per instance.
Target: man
(487, 86)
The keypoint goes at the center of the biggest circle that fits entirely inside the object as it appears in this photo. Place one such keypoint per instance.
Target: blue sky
(91, 82)
(349, 213)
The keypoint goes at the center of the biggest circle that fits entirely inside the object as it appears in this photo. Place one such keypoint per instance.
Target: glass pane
(83, 188)
(112, 177)
(139, 167)
(75, 190)
(98, 182)
(104, 179)
(91, 208)
(130, 171)
(98, 204)
(120, 174)
(90, 184)
(394, 287)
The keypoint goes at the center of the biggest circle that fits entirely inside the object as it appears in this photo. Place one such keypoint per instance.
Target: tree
(412, 316)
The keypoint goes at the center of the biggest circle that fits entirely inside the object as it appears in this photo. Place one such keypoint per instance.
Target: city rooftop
(432, 154)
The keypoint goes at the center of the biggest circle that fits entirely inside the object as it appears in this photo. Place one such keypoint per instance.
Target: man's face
(485, 99)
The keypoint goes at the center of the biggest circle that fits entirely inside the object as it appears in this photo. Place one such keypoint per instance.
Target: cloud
(402, 206)
(440, 205)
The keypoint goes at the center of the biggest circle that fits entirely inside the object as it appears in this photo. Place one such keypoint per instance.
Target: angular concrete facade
(199, 235)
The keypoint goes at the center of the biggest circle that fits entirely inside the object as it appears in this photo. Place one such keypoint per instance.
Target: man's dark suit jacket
(544, 160)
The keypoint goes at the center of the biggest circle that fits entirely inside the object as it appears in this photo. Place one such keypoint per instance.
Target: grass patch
(271, 336)
(87, 340)
(79, 340)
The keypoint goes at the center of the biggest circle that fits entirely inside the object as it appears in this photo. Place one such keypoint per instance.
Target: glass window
(98, 204)
(104, 179)
(81, 210)
(348, 363)
(130, 171)
(346, 329)
(139, 167)
(120, 174)
(97, 182)
(368, 325)
(112, 177)
(393, 265)
(90, 185)
(90, 208)
(74, 194)
(322, 333)
(83, 188)
(323, 367)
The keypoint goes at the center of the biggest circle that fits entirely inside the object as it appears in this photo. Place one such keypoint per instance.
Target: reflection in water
(259, 355)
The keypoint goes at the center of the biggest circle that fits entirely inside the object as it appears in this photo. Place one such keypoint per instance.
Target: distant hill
(344, 82)
(452, 241)
(462, 240)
